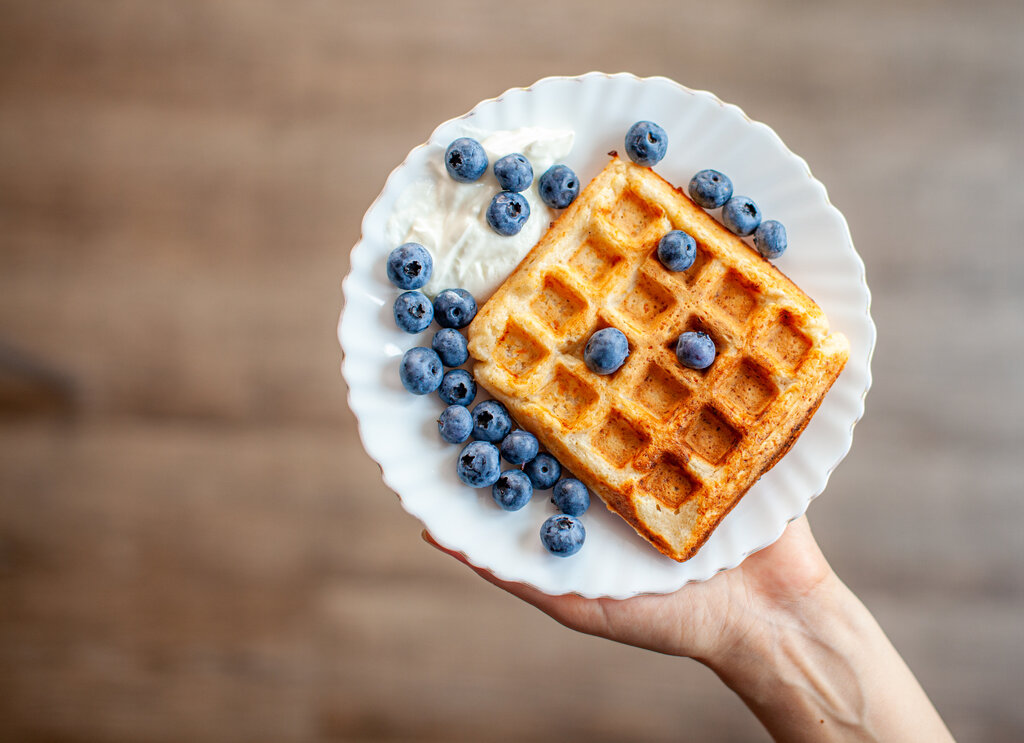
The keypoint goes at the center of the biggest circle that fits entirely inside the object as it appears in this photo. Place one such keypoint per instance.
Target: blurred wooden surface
(193, 545)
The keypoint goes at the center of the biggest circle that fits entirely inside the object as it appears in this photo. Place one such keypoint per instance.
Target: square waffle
(669, 449)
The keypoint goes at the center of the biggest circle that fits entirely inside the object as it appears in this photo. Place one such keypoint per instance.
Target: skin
(782, 631)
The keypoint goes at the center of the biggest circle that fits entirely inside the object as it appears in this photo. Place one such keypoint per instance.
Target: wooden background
(193, 545)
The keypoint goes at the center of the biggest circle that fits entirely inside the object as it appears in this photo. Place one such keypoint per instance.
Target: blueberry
(465, 159)
(519, 447)
(410, 266)
(451, 346)
(571, 496)
(512, 490)
(677, 250)
(457, 387)
(646, 143)
(770, 239)
(508, 213)
(558, 187)
(479, 464)
(491, 421)
(695, 350)
(454, 308)
(420, 371)
(455, 424)
(543, 471)
(606, 351)
(514, 172)
(741, 215)
(562, 535)
(710, 189)
(413, 312)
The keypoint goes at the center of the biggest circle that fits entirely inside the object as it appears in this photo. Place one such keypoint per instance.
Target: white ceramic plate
(399, 429)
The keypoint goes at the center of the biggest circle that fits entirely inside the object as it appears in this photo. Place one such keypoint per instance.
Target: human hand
(706, 621)
(782, 631)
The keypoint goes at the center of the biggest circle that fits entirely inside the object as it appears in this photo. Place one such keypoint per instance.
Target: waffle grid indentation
(595, 261)
(567, 396)
(749, 388)
(670, 483)
(557, 304)
(618, 439)
(710, 436)
(631, 214)
(517, 351)
(785, 342)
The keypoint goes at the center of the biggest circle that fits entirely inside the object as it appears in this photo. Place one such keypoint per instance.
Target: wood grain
(193, 545)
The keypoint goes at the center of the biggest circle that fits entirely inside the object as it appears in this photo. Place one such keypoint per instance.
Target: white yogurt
(449, 218)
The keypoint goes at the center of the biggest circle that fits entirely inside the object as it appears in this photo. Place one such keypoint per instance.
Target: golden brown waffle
(669, 449)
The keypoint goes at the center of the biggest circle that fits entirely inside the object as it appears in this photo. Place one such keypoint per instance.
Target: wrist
(819, 668)
(797, 669)
(771, 623)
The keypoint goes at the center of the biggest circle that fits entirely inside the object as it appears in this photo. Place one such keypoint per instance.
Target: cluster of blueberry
(422, 372)
(647, 143)
(740, 214)
(479, 466)
(466, 161)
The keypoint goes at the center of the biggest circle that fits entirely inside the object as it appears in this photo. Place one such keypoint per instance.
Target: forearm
(823, 670)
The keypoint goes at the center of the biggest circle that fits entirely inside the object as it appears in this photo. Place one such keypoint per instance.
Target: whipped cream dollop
(449, 218)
